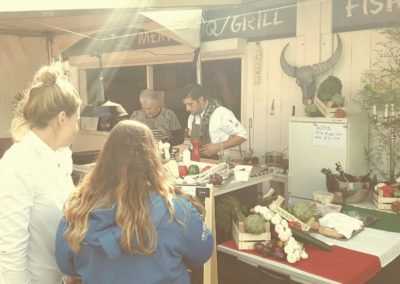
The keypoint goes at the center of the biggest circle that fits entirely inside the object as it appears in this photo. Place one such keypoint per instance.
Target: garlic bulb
(303, 254)
(279, 228)
(276, 219)
(284, 223)
(291, 258)
(283, 236)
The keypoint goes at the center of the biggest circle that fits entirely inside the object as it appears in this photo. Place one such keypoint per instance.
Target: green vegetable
(254, 224)
(302, 211)
(312, 110)
(227, 208)
(305, 237)
(337, 100)
(329, 87)
(194, 170)
(267, 200)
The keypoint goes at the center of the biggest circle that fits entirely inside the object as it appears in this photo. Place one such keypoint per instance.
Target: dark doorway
(222, 78)
(121, 85)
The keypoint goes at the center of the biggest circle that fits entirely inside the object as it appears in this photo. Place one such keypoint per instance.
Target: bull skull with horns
(305, 75)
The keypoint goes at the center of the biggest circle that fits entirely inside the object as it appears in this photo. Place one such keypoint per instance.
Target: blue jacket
(102, 261)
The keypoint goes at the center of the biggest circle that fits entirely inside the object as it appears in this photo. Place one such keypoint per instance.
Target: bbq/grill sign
(243, 23)
(251, 21)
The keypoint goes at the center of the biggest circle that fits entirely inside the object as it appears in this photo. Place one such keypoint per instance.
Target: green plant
(228, 208)
(329, 87)
(381, 87)
(330, 90)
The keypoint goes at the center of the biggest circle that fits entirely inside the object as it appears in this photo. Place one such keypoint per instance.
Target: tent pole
(198, 69)
(49, 39)
(150, 79)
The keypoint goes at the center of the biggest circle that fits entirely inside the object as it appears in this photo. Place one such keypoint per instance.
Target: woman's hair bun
(49, 75)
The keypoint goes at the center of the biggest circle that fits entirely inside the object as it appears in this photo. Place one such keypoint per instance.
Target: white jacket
(223, 125)
(34, 184)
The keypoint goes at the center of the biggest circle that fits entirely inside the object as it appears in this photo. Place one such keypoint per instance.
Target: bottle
(186, 156)
(167, 155)
(345, 177)
(196, 150)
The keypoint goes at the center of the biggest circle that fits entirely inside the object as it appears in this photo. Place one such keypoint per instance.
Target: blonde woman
(35, 179)
(127, 223)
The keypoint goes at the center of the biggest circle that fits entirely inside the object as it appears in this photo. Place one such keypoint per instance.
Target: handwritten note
(331, 135)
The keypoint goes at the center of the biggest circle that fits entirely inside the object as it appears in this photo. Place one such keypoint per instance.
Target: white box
(242, 172)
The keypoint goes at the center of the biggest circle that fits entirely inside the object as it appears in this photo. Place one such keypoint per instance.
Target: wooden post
(210, 269)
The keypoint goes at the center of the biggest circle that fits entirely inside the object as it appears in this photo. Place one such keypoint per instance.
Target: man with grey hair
(162, 121)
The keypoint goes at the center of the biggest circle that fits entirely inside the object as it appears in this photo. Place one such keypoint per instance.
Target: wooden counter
(208, 193)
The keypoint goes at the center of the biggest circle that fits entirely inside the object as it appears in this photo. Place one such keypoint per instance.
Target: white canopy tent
(32, 32)
(62, 31)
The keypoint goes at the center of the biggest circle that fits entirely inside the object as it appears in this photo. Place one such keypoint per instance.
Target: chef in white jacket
(215, 126)
(35, 179)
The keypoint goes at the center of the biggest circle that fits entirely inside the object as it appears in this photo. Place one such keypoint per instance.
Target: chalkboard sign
(350, 15)
(258, 20)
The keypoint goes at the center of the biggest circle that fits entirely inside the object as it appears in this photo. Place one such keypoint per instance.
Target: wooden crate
(383, 203)
(245, 240)
(325, 110)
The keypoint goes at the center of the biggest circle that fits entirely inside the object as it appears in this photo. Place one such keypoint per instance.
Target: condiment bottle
(166, 151)
(186, 156)
(196, 150)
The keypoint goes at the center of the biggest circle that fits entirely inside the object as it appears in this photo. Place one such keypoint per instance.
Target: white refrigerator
(316, 143)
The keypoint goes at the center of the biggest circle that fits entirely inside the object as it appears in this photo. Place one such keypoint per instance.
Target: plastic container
(242, 172)
(322, 210)
(323, 197)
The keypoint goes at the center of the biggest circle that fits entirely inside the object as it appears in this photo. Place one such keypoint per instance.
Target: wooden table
(384, 246)
(208, 194)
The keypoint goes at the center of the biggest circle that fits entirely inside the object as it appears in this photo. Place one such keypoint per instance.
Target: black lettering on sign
(350, 15)
(152, 39)
(259, 21)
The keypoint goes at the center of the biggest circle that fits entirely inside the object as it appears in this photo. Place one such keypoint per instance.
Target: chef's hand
(209, 150)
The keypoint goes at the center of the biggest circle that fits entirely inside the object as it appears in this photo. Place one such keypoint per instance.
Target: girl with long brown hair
(127, 222)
